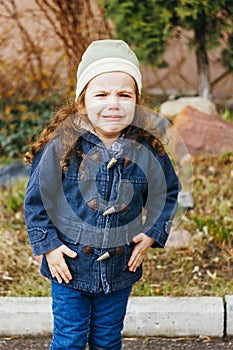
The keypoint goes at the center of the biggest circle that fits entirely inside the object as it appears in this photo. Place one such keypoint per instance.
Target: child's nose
(113, 102)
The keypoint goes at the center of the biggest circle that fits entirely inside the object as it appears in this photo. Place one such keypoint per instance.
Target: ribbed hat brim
(105, 65)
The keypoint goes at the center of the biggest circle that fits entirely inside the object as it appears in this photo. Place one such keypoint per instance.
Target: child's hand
(38, 258)
(57, 264)
(143, 243)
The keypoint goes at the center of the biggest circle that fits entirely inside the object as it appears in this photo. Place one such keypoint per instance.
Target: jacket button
(111, 163)
(110, 210)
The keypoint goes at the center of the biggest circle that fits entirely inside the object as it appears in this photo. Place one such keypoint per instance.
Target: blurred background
(186, 52)
(185, 47)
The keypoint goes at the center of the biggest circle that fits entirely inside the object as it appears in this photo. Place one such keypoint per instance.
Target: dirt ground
(205, 343)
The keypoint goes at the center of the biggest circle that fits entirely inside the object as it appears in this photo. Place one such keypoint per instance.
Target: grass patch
(202, 268)
(19, 272)
(205, 266)
(4, 160)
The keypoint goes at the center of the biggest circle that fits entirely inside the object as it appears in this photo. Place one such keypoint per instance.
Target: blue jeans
(82, 318)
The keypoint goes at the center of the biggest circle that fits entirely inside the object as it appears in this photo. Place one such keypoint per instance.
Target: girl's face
(110, 103)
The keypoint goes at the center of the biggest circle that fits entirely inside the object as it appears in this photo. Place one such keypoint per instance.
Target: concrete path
(146, 316)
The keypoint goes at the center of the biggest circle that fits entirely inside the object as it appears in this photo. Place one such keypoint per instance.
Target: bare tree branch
(64, 29)
(220, 77)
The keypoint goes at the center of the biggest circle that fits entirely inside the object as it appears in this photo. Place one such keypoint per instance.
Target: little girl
(102, 190)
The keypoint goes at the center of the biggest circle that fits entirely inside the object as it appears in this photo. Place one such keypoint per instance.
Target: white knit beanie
(103, 56)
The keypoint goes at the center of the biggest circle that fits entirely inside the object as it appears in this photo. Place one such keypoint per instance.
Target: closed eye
(125, 95)
(100, 95)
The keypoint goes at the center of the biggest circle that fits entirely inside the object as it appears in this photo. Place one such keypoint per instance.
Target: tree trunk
(202, 64)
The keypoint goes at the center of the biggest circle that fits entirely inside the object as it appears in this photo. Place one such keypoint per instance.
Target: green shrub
(13, 197)
(227, 115)
(21, 123)
(220, 232)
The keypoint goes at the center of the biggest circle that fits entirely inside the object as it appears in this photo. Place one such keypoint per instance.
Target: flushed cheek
(130, 109)
(93, 115)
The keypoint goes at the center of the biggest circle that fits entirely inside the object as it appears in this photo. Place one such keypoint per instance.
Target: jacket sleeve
(162, 199)
(42, 233)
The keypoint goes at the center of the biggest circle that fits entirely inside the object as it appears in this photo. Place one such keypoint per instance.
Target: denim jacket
(96, 203)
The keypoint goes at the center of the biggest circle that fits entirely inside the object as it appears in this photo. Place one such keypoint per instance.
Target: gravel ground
(205, 343)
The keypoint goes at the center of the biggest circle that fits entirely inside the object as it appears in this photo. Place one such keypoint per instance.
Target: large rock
(178, 238)
(13, 172)
(202, 134)
(170, 109)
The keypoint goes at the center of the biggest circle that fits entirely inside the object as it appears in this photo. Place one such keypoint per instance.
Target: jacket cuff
(159, 234)
(43, 241)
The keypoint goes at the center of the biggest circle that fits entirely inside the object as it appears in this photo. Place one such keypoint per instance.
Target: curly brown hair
(67, 123)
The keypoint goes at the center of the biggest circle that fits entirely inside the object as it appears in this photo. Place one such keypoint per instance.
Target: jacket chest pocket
(133, 191)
